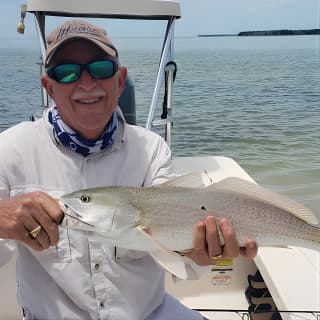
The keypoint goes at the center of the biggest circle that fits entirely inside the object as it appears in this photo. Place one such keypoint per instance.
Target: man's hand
(22, 214)
(207, 248)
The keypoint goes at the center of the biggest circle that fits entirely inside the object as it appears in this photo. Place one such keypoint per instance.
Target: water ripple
(260, 107)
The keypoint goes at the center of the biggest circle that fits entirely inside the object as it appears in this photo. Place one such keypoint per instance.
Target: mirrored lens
(70, 72)
(102, 69)
(66, 73)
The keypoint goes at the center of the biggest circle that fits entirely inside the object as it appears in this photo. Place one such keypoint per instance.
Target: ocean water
(254, 99)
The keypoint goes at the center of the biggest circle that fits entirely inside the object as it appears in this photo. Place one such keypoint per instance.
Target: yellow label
(222, 264)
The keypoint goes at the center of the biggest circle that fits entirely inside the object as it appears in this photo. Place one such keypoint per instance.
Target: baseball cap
(78, 29)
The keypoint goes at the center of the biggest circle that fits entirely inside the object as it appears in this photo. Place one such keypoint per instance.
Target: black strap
(164, 114)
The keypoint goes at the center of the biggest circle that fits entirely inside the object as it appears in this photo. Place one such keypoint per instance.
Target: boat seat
(127, 102)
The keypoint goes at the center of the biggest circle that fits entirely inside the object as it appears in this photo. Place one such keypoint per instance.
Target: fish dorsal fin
(190, 180)
(253, 190)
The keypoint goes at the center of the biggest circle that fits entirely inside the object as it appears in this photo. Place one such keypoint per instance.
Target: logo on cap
(63, 32)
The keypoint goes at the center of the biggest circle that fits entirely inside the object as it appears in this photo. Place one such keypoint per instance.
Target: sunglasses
(70, 72)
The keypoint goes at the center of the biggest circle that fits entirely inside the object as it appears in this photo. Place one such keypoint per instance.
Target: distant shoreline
(280, 32)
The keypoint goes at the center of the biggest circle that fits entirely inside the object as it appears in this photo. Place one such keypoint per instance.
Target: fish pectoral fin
(171, 262)
(168, 260)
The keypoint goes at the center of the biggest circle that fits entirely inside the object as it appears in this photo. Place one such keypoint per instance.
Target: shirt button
(101, 304)
(97, 266)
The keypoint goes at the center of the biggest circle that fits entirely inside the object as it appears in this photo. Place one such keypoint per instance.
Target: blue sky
(198, 17)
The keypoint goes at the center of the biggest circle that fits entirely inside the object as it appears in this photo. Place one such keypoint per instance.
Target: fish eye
(85, 198)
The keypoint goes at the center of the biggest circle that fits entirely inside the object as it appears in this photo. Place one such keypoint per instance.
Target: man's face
(85, 105)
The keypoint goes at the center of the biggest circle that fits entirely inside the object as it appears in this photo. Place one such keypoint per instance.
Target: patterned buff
(76, 142)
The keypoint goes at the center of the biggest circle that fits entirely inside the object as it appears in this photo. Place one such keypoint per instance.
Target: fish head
(107, 209)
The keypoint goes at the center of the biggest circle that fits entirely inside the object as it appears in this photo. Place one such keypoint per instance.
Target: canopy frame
(157, 10)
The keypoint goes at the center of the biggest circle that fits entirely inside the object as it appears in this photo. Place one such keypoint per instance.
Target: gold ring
(35, 232)
(216, 257)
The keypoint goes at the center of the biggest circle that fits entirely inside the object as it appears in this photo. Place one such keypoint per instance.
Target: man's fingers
(199, 243)
(31, 225)
(250, 250)
(32, 219)
(34, 244)
(51, 205)
(207, 247)
(24, 236)
(49, 229)
(38, 209)
(199, 252)
(231, 246)
(48, 214)
(212, 237)
(43, 239)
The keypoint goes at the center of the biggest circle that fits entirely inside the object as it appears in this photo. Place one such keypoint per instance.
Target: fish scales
(172, 212)
(161, 219)
(169, 213)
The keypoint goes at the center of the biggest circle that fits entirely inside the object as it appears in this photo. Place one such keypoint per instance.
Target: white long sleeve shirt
(81, 278)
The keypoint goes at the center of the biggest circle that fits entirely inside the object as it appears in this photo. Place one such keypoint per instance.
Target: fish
(161, 219)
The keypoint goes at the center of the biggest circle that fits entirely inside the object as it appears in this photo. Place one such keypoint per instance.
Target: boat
(280, 283)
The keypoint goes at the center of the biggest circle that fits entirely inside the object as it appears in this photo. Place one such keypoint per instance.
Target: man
(82, 142)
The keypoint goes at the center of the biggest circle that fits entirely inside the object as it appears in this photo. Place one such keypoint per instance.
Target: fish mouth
(70, 213)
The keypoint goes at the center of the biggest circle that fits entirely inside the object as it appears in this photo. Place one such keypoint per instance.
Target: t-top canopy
(127, 9)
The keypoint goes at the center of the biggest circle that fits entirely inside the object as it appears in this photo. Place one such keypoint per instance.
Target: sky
(198, 17)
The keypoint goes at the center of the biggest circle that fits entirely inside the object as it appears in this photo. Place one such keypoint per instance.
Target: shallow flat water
(257, 101)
